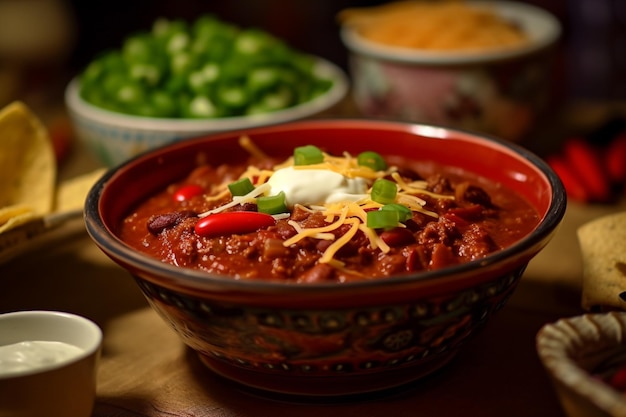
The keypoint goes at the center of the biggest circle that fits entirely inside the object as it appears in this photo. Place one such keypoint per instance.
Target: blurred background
(46, 42)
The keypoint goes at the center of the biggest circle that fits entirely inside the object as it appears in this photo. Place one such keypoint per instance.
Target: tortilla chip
(27, 162)
(603, 246)
(71, 193)
(7, 213)
(14, 216)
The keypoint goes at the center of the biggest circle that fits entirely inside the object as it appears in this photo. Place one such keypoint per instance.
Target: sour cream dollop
(31, 355)
(316, 186)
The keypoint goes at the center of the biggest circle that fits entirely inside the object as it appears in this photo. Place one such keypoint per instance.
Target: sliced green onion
(384, 191)
(404, 213)
(372, 160)
(307, 155)
(273, 204)
(241, 187)
(382, 219)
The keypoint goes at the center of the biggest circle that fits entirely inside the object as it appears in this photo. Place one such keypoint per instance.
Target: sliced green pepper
(382, 219)
(404, 213)
(241, 187)
(274, 204)
(210, 68)
(307, 155)
(372, 160)
(384, 191)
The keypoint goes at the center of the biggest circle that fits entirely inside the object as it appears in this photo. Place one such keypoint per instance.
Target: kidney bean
(473, 212)
(318, 273)
(186, 192)
(159, 222)
(475, 195)
(234, 222)
(397, 236)
(417, 259)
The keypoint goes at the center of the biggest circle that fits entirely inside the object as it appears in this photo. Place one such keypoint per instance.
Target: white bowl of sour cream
(48, 364)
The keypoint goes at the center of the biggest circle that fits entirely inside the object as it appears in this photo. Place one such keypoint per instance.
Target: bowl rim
(115, 247)
(87, 326)
(77, 105)
(548, 30)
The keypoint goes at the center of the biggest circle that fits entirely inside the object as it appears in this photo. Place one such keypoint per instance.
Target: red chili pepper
(586, 160)
(235, 222)
(615, 159)
(573, 185)
(618, 380)
(61, 136)
(187, 191)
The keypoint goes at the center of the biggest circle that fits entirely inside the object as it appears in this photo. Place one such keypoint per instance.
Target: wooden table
(146, 371)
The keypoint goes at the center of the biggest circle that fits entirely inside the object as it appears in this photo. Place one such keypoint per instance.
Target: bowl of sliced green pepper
(186, 79)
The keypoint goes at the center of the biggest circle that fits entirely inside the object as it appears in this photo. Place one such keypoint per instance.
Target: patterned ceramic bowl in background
(115, 137)
(500, 92)
(329, 339)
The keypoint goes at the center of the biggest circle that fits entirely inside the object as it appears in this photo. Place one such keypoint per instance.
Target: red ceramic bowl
(329, 339)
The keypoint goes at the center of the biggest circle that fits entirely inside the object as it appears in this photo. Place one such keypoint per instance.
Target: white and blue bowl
(115, 137)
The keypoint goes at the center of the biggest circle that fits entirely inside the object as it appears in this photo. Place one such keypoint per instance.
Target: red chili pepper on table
(618, 380)
(235, 222)
(615, 159)
(586, 160)
(573, 185)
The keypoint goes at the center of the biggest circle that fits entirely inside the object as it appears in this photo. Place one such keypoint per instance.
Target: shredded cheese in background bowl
(435, 26)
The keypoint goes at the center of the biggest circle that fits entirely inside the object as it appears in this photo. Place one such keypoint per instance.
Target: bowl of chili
(327, 257)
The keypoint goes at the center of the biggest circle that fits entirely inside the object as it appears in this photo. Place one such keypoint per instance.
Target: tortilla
(27, 162)
(603, 246)
(71, 193)
(15, 215)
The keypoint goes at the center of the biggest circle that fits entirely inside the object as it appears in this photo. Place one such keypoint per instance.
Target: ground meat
(480, 219)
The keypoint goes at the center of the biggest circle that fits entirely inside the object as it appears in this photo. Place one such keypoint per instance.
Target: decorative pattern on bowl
(500, 99)
(330, 344)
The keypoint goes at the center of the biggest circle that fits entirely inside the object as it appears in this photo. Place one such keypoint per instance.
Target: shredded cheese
(315, 230)
(414, 203)
(246, 143)
(259, 176)
(417, 187)
(339, 243)
(337, 214)
(375, 241)
(237, 200)
(222, 194)
(346, 166)
(300, 230)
